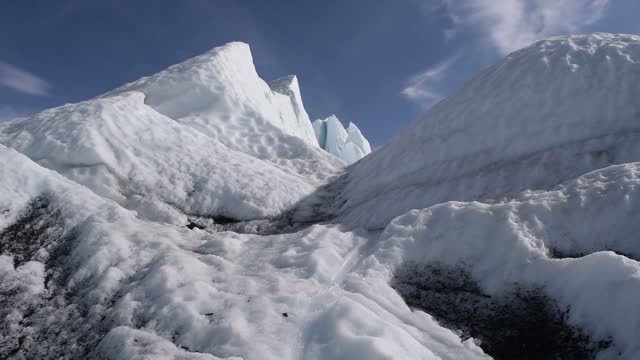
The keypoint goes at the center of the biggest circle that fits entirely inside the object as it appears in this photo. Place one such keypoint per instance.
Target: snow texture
(233, 148)
(528, 177)
(127, 288)
(545, 114)
(127, 152)
(347, 145)
(516, 243)
(220, 94)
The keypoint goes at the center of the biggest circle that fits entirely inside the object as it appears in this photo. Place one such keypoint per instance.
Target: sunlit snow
(198, 214)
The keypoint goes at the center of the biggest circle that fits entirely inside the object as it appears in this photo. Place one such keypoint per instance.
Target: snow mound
(111, 285)
(347, 145)
(562, 241)
(545, 114)
(220, 94)
(206, 138)
(124, 150)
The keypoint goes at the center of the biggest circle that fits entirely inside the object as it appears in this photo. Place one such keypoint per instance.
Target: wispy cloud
(491, 28)
(22, 80)
(424, 87)
(513, 24)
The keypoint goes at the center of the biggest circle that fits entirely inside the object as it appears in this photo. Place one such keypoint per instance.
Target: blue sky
(378, 63)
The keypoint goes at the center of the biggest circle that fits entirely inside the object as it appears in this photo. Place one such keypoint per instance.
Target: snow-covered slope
(81, 277)
(545, 114)
(203, 138)
(347, 145)
(538, 241)
(125, 151)
(223, 83)
(220, 94)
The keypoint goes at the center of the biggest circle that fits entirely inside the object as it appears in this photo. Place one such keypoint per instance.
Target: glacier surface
(502, 224)
(544, 115)
(204, 138)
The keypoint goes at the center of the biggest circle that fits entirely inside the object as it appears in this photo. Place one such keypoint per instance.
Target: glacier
(565, 106)
(188, 141)
(220, 94)
(348, 145)
(198, 213)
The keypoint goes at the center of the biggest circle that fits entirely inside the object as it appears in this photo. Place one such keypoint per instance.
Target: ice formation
(220, 94)
(347, 145)
(545, 114)
(203, 138)
(132, 225)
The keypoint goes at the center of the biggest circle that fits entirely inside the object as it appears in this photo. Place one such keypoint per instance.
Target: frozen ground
(193, 215)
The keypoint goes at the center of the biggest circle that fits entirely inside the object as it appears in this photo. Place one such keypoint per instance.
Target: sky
(378, 63)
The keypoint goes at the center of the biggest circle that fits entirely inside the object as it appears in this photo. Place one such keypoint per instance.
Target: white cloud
(23, 81)
(423, 87)
(507, 25)
(513, 24)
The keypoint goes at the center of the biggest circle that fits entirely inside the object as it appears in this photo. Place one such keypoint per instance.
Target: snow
(528, 177)
(514, 242)
(348, 145)
(125, 151)
(142, 289)
(214, 84)
(289, 86)
(220, 94)
(205, 138)
(127, 343)
(545, 114)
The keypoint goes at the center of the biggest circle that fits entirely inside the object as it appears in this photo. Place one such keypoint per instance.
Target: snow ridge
(548, 113)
